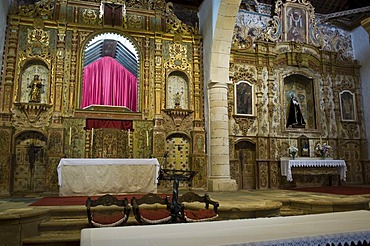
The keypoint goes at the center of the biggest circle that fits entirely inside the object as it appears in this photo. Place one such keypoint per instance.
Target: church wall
(49, 40)
(264, 57)
(361, 47)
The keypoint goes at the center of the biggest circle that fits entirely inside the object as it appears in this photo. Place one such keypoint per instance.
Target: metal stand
(176, 176)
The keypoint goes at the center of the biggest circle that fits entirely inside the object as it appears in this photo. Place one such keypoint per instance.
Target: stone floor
(239, 200)
(26, 225)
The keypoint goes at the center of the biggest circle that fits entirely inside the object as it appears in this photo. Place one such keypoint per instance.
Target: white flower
(321, 150)
(292, 149)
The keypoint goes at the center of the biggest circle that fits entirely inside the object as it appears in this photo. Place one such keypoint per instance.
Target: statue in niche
(177, 99)
(36, 87)
(295, 117)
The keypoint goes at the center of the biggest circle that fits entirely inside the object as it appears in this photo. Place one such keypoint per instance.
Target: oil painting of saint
(244, 98)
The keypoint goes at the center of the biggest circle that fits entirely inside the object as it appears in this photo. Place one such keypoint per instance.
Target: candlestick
(70, 135)
(320, 140)
(92, 137)
(128, 136)
(92, 142)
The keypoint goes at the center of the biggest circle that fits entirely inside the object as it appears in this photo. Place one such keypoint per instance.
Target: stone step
(64, 224)
(289, 211)
(66, 238)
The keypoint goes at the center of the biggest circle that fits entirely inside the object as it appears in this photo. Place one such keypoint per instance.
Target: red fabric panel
(107, 218)
(107, 82)
(200, 214)
(154, 214)
(117, 124)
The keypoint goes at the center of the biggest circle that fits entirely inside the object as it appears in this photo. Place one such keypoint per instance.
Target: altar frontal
(87, 177)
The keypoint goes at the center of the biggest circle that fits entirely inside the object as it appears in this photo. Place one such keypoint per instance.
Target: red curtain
(107, 82)
(117, 124)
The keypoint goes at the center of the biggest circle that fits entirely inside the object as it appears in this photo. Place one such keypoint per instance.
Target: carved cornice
(31, 115)
(178, 115)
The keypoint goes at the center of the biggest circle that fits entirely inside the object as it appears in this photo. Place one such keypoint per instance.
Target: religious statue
(35, 93)
(295, 117)
(32, 151)
(177, 99)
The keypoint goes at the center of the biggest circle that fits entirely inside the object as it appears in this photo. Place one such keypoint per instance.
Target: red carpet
(76, 200)
(338, 190)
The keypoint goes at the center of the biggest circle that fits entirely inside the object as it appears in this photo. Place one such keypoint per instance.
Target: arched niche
(34, 78)
(110, 74)
(177, 91)
(299, 94)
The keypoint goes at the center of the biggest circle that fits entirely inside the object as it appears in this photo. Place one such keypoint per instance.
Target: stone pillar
(217, 21)
(219, 179)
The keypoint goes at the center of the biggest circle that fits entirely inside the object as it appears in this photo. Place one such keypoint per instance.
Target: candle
(70, 135)
(92, 137)
(128, 136)
(147, 138)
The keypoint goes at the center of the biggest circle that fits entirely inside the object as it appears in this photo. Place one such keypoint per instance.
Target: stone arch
(217, 28)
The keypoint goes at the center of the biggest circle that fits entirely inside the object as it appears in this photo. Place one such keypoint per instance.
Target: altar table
(287, 164)
(316, 229)
(87, 177)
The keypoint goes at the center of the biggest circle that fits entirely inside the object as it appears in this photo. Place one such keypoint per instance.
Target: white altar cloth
(317, 229)
(287, 164)
(89, 177)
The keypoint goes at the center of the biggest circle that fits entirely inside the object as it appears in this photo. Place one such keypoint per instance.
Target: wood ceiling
(347, 14)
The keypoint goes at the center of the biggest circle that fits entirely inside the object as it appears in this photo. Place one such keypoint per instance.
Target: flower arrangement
(322, 149)
(293, 151)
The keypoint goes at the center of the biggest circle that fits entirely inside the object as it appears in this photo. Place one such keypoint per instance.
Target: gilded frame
(347, 102)
(295, 22)
(244, 98)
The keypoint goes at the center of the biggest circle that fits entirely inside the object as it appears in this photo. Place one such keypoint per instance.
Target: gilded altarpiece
(290, 55)
(48, 39)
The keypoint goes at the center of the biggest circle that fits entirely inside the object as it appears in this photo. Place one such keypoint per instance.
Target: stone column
(217, 21)
(219, 179)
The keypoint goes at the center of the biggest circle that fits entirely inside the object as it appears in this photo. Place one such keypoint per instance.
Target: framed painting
(244, 98)
(296, 22)
(347, 105)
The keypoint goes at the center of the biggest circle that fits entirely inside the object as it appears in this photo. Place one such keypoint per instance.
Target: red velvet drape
(117, 124)
(107, 82)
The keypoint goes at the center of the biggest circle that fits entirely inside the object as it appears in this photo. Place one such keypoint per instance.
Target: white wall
(361, 48)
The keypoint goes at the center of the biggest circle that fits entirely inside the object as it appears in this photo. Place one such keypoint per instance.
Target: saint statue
(177, 99)
(295, 117)
(35, 93)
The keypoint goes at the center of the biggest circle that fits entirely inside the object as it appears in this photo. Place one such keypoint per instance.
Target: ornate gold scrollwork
(43, 9)
(244, 123)
(178, 115)
(31, 114)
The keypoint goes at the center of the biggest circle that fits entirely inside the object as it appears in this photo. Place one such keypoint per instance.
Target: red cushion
(202, 214)
(154, 214)
(107, 218)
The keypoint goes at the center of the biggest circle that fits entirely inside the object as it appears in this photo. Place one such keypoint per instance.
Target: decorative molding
(178, 115)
